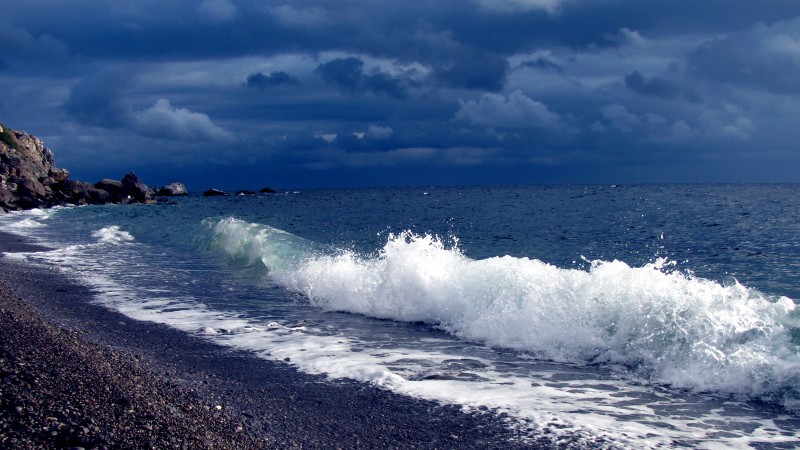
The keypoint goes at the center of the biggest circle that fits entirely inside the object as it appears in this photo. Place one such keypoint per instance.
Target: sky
(314, 93)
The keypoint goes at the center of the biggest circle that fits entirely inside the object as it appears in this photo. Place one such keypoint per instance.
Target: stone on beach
(59, 390)
(75, 372)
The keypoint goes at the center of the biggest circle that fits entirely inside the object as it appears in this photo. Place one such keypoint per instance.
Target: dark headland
(29, 178)
(77, 375)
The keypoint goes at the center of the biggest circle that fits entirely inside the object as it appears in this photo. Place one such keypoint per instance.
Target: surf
(653, 322)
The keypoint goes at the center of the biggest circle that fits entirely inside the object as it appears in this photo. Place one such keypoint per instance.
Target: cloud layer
(497, 91)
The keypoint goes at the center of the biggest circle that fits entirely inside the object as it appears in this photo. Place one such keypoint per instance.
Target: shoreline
(103, 379)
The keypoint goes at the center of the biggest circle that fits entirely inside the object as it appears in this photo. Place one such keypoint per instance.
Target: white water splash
(666, 326)
(112, 235)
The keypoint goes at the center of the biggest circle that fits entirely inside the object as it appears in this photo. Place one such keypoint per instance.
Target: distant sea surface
(647, 316)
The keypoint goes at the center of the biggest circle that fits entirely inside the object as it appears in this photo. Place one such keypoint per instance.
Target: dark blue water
(746, 231)
(645, 310)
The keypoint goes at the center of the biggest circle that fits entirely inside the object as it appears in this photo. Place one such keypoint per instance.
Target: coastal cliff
(29, 178)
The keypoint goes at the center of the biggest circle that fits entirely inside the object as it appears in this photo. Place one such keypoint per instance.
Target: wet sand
(74, 374)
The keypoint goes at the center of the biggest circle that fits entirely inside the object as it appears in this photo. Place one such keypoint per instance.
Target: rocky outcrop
(214, 193)
(28, 174)
(29, 179)
(173, 190)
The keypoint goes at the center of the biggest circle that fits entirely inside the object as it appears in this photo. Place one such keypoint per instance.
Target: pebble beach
(76, 375)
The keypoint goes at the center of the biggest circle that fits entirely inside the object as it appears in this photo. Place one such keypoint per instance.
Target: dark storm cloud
(97, 100)
(279, 78)
(543, 64)
(349, 75)
(184, 28)
(480, 71)
(763, 57)
(19, 44)
(655, 86)
(613, 84)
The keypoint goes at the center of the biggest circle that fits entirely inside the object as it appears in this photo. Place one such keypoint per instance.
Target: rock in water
(267, 190)
(214, 193)
(113, 187)
(134, 189)
(82, 193)
(173, 189)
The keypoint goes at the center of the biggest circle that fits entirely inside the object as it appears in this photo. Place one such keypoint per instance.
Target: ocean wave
(112, 235)
(656, 322)
(256, 245)
(26, 223)
(28, 219)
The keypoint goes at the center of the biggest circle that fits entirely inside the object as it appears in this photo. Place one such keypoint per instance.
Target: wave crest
(112, 235)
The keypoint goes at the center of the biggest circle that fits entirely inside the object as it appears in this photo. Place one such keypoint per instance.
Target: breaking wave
(659, 323)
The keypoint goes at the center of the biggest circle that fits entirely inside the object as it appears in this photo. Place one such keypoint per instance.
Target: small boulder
(82, 193)
(98, 197)
(267, 190)
(26, 202)
(135, 189)
(173, 190)
(214, 193)
(31, 188)
(48, 182)
(7, 198)
(113, 187)
(72, 188)
(58, 175)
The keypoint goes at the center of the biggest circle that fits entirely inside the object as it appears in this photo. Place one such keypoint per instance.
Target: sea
(639, 316)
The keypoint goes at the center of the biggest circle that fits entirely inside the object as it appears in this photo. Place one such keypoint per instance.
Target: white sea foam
(112, 234)
(27, 223)
(661, 324)
(21, 221)
(336, 356)
(39, 212)
(542, 399)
